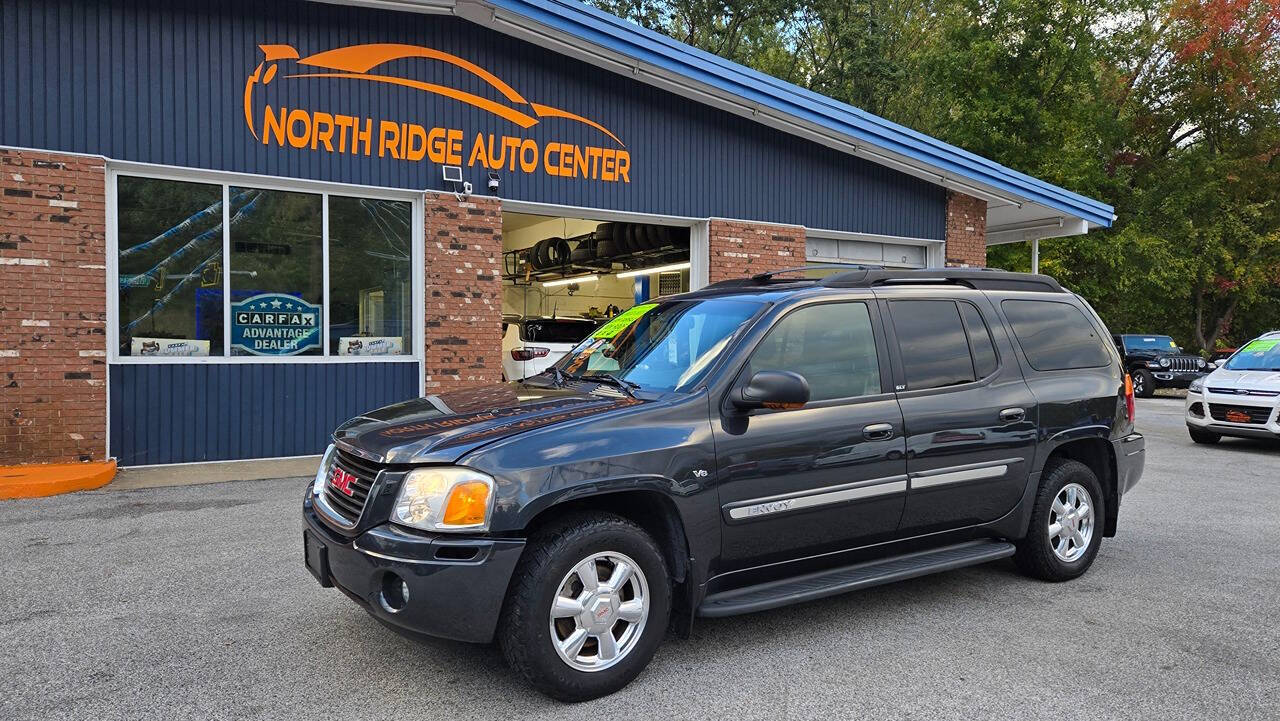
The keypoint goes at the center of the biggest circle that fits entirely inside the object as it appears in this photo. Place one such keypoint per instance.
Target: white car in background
(1241, 397)
(531, 344)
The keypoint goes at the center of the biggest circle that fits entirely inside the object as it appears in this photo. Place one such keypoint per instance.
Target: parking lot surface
(193, 602)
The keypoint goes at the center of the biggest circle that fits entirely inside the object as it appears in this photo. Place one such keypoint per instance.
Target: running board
(851, 578)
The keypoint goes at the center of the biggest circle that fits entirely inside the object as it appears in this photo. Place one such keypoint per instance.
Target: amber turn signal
(468, 504)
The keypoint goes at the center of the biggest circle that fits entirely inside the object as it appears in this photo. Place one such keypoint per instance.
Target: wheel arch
(1099, 455)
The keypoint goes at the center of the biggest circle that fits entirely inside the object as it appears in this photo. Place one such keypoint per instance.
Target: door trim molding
(767, 506)
(962, 473)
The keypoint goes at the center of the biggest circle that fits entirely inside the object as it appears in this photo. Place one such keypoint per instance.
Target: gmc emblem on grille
(342, 480)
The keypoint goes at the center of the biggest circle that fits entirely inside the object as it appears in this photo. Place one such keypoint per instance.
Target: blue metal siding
(163, 82)
(184, 412)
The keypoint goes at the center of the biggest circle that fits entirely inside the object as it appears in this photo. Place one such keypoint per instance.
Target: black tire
(622, 236)
(1144, 384)
(606, 230)
(606, 249)
(1199, 435)
(524, 631)
(652, 239)
(584, 253)
(560, 253)
(1035, 555)
(542, 254)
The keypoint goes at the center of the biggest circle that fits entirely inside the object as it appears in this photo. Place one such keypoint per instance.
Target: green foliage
(1169, 110)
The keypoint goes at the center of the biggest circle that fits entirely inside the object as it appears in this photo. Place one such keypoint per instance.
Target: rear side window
(933, 343)
(984, 351)
(556, 331)
(1055, 336)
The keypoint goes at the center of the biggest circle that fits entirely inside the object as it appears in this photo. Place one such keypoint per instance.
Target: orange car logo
(333, 132)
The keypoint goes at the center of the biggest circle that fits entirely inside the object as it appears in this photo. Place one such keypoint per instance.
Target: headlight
(1201, 363)
(1197, 386)
(1164, 362)
(326, 462)
(448, 498)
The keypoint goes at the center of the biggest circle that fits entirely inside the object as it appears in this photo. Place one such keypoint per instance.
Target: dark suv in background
(750, 445)
(1156, 361)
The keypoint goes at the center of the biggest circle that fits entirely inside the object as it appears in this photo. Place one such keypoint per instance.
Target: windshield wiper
(628, 387)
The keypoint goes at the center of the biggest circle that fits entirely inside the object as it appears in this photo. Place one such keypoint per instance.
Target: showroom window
(273, 273)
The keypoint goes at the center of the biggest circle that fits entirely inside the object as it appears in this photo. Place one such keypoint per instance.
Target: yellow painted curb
(49, 479)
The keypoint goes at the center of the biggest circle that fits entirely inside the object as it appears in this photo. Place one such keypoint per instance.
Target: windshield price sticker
(617, 325)
(1261, 346)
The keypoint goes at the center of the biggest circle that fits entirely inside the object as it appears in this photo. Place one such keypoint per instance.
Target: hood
(1154, 353)
(442, 428)
(1243, 380)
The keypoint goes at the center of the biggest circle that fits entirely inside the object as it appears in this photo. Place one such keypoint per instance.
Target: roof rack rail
(769, 277)
(976, 278)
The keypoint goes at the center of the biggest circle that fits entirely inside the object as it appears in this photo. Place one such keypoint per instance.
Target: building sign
(323, 130)
(370, 345)
(169, 347)
(274, 324)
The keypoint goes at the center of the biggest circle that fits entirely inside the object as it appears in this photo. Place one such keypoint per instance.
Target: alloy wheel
(599, 611)
(1071, 523)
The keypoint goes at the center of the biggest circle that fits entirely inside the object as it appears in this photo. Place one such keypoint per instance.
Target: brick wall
(966, 230)
(740, 249)
(52, 308)
(463, 319)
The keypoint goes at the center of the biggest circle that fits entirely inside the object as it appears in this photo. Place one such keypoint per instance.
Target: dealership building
(227, 227)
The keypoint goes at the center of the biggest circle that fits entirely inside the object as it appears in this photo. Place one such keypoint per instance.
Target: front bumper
(1198, 415)
(456, 585)
(1172, 379)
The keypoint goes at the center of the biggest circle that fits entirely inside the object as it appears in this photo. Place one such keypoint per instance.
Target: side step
(851, 578)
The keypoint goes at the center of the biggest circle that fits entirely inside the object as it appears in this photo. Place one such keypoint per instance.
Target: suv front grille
(1183, 364)
(1236, 414)
(1233, 391)
(349, 505)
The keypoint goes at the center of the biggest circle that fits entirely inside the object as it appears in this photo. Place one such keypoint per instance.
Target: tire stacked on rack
(549, 253)
(606, 236)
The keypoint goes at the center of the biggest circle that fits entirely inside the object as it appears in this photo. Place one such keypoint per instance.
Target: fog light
(395, 593)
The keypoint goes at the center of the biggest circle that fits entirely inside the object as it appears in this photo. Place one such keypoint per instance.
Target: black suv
(1156, 361)
(750, 445)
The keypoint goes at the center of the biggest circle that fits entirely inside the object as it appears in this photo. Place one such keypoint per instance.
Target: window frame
(758, 334)
(226, 180)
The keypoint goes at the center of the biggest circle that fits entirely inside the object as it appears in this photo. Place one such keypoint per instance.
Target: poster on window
(371, 345)
(168, 347)
(274, 324)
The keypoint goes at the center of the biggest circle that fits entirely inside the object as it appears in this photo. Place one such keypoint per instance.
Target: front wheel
(587, 608)
(1066, 523)
(1203, 436)
(1144, 384)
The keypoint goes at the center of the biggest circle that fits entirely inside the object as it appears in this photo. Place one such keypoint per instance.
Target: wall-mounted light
(658, 269)
(570, 281)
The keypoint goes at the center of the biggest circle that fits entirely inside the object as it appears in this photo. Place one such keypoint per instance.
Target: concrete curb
(37, 480)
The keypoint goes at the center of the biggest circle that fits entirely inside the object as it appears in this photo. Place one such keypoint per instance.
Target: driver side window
(831, 345)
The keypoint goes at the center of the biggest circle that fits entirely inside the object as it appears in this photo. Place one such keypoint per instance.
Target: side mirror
(773, 389)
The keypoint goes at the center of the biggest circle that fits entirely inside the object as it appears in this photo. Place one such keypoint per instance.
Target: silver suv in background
(1239, 398)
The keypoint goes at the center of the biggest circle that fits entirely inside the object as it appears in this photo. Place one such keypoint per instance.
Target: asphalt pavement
(193, 603)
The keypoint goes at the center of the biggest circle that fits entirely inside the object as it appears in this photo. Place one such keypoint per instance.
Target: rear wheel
(1066, 523)
(587, 608)
(1144, 384)
(1202, 436)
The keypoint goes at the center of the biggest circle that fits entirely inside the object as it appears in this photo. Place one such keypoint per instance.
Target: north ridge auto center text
(337, 133)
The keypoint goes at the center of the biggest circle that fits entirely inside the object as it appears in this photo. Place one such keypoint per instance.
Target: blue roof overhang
(1020, 207)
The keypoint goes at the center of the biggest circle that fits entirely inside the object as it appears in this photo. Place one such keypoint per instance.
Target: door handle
(1013, 415)
(878, 431)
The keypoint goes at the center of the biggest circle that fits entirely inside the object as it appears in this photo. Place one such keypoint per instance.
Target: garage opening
(563, 276)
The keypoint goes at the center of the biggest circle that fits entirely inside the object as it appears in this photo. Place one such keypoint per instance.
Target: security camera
(493, 182)
(466, 187)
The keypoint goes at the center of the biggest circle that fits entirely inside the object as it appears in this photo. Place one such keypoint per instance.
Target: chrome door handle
(1013, 415)
(878, 431)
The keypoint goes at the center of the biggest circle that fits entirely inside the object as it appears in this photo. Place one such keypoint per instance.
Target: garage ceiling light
(658, 269)
(568, 281)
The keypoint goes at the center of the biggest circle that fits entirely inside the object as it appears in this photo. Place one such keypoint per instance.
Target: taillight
(1129, 407)
(529, 353)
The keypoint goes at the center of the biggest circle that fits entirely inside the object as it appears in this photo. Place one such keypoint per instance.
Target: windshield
(1259, 355)
(1149, 342)
(660, 346)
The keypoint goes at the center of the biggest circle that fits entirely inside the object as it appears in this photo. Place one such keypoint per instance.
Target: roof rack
(769, 277)
(976, 278)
